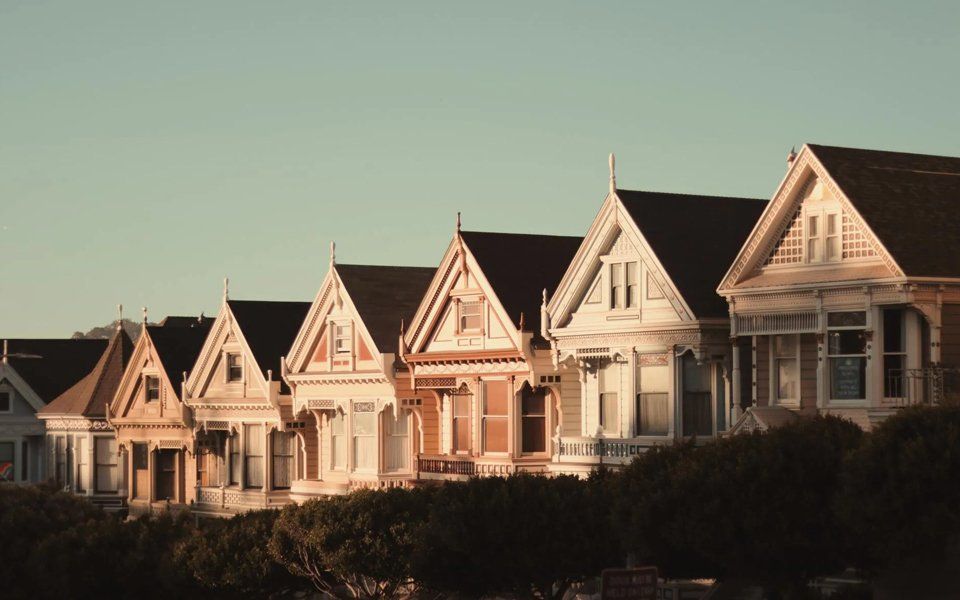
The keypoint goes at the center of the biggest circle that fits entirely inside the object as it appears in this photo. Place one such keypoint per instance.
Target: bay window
(653, 408)
(106, 469)
(697, 410)
(397, 440)
(847, 355)
(609, 384)
(282, 459)
(495, 400)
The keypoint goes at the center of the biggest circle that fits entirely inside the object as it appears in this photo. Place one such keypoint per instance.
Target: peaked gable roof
(178, 343)
(910, 201)
(61, 363)
(519, 266)
(383, 295)
(269, 328)
(695, 238)
(89, 396)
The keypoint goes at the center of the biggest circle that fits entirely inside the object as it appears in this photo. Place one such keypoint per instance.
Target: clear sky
(147, 149)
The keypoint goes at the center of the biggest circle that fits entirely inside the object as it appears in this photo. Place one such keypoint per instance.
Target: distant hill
(105, 331)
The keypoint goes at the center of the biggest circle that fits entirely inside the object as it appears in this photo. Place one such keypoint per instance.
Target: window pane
(893, 323)
(847, 319)
(833, 248)
(254, 471)
(653, 414)
(495, 434)
(893, 376)
(632, 295)
(813, 253)
(847, 342)
(534, 434)
(7, 467)
(785, 346)
(848, 378)
(461, 404)
(461, 434)
(697, 414)
(831, 224)
(495, 401)
(533, 404)
(471, 315)
(812, 224)
(4, 401)
(609, 413)
(365, 452)
(788, 376)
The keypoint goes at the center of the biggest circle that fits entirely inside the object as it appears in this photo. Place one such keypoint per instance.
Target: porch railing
(598, 448)
(928, 385)
(469, 467)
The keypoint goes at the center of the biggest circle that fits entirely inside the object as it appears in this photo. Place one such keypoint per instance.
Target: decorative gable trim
(218, 336)
(777, 216)
(296, 355)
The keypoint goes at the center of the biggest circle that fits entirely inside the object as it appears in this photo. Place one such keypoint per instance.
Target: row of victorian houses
(674, 317)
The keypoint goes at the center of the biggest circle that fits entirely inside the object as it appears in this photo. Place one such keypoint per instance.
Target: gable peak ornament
(226, 289)
(144, 309)
(791, 156)
(333, 253)
(119, 317)
(613, 174)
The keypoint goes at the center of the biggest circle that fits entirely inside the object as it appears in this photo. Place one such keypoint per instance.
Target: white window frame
(335, 457)
(342, 332)
(146, 388)
(820, 241)
(775, 369)
(619, 286)
(228, 357)
(830, 357)
(480, 305)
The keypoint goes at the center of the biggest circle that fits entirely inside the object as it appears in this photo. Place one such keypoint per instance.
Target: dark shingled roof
(911, 201)
(62, 363)
(385, 295)
(89, 396)
(520, 266)
(178, 345)
(695, 238)
(269, 328)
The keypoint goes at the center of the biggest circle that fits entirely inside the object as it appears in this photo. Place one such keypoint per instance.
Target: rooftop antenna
(613, 174)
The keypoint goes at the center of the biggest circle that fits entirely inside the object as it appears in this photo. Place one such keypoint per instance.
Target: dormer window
(623, 285)
(234, 368)
(151, 386)
(471, 315)
(823, 236)
(342, 339)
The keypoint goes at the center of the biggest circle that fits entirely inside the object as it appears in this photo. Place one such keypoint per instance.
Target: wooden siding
(763, 370)
(950, 335)
(808, 370)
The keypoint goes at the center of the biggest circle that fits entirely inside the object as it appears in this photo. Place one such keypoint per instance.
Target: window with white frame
(151, 386)
(471, 315)
(786, 368)
(823, 233)
(496, 398)
(462, 404)
(6, 401)
(342, 338)
(82, 461)
(283, 444)
(894, 352)
(234, 367)
(105, 469)
(624, 288)
(253, 455)
(397, 438)
(533, 416)
(653, 399)
(609, 383)
(8, 467)
(847, 355)
(364, 424)
(235, 462)
(60, 460)
(338, 441)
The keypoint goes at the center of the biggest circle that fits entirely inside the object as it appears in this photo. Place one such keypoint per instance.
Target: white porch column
(735, 384)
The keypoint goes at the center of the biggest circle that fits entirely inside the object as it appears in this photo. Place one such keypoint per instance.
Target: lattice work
(855, 244)
(789, 250)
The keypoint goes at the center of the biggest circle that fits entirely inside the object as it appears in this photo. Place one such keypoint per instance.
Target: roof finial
(792, 156)
(458, 222)
(226, 289)
(613, 174)
(523, 322)
(6, 350)
(144, 309)
(333, 253)
(119, 317)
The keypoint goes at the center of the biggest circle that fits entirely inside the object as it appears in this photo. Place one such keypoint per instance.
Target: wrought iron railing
(464, 466)
(598, 447)
(928, 385)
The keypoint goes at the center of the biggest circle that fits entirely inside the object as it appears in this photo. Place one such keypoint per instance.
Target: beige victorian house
(153, 427)
(243, 426)
(845, 298)
(475, 344)
(357, 419)
(638, 324)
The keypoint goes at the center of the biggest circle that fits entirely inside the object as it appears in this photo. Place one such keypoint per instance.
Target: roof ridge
(686, 195)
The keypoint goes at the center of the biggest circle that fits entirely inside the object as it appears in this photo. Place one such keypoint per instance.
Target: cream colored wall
(444, 336)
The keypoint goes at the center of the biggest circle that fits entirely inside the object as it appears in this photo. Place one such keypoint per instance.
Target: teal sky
(147, 149)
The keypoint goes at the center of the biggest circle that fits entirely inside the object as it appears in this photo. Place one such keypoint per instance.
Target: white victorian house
(845, 298)
(637, 319)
